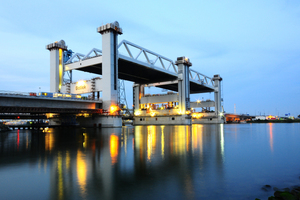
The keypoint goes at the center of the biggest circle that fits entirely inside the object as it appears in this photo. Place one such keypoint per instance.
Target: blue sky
(254, 45)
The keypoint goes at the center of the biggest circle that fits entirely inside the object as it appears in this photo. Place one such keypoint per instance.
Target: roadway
(14, 103)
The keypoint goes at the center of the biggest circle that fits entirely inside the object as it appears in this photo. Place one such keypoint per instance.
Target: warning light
(18, 117)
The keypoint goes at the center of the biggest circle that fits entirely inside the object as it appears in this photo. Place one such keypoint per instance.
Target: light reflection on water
(149, 162)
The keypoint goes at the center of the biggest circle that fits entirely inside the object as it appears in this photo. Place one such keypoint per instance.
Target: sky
(253, 45)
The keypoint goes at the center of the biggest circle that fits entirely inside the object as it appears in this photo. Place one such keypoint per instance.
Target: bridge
(131, 62)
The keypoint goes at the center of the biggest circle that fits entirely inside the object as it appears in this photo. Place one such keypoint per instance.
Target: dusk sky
(253, 45)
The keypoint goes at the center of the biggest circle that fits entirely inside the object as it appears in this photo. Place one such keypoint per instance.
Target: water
(150, 162)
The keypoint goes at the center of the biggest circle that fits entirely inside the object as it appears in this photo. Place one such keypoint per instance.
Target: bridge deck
(33, 104)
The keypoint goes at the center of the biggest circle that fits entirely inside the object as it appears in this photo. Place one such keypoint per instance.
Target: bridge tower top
(57, 45)
(183, 60)
(115, 27)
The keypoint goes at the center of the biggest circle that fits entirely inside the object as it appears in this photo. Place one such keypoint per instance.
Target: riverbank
(292, 193)
(276, 121)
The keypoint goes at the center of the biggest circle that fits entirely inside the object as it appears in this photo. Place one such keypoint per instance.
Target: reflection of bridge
(103, 162)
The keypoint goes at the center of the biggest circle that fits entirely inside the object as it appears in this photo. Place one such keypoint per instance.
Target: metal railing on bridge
(80, 57)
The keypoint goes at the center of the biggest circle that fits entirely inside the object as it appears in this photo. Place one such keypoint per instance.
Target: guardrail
(34, 94)
(6, 92)
(204, 80)
(158, 60)
(82, 57)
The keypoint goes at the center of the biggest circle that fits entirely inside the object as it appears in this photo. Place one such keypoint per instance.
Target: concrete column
(136, 97)
(141, 92)
(109, 34)
(183, 64)
(56, 64)
(217, 80)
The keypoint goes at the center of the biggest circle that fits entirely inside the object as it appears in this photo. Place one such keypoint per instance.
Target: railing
(36, 95)
(204, 80)
(81, 57)
(6, 92)
(157, 61)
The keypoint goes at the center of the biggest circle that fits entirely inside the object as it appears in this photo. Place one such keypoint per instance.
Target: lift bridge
(144, 68)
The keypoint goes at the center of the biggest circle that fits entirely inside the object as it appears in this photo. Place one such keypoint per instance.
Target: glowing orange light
(113, 109)
(152, 114)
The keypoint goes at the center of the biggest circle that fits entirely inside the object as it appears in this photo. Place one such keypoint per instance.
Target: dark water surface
(150, 162)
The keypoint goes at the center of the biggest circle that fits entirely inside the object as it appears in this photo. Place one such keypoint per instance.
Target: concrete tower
(110, 34)
(56, 64)
(183, 64)
(217, 80)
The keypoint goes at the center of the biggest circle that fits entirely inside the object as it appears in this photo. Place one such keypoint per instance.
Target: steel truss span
(140, 65)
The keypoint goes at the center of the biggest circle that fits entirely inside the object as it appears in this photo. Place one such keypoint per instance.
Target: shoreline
(276, 121)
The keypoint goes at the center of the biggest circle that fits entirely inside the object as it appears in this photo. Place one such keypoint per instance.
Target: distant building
(260, 118)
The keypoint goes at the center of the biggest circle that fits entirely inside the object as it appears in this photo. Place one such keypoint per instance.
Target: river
(231, 161)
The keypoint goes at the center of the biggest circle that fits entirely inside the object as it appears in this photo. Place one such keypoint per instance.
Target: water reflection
(114, 148)
(129, 162)
(271, 135)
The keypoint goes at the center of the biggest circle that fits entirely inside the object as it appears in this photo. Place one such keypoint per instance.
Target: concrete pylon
(217, 80)
(56, 64)
(183, 64)
(110, 34)
(138, 93)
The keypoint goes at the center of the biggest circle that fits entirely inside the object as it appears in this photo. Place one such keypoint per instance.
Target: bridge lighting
(198, 101)
(152, 114)
(60, 68)
(136, 113)
(80, 83)
(113, 109)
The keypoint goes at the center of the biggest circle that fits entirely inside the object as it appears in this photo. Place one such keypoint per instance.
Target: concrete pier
(101, 121)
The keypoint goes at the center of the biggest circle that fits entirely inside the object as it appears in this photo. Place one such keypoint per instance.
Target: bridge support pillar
(218, 109)
(183, 64)
(110, 34)
(56, 64)
(138, 93)
(101, 121)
